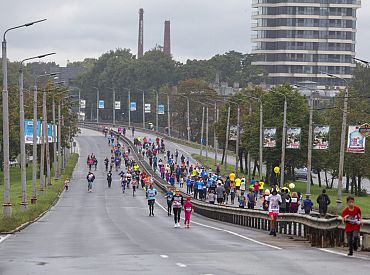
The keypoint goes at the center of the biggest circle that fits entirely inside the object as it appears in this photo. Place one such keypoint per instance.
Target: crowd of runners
(204, 184)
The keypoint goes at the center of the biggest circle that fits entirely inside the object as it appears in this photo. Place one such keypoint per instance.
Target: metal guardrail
(319, 232)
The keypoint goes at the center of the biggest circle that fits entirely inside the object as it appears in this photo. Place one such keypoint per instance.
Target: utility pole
(207, 135)
(227, 136)
(47, 151)
(43, 141)
(201, 133)
(283, 144)
(97, 104)
(237, 141)
(56, 176)
(59, 140)
(261, 139)
(214, 132)
(188, 109)
(156, 111)
(168, 116)
(129, 108)
(309, 147)
(114, 107)
(249, 154)
(143, 108)
(34, 146)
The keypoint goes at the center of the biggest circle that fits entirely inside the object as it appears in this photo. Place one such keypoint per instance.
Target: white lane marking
(229, 232)
(163, 256)
(181, 265)
(4, 238)
(342, 254)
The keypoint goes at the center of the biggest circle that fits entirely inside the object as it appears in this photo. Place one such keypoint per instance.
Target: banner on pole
(147, 107)
(28, 131)
(293, 140)
(160, 109)
(117, 105)
(101, 104)
(50, 133)
(233, 135)
(132, 106)
(83, 104)
(356, 141)
(321, 137)
(269, 137)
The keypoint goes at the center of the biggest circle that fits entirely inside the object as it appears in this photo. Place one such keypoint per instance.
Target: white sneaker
(178, 224)
(175, 226)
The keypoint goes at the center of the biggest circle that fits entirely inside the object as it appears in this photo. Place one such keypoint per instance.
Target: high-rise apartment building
(297, 40)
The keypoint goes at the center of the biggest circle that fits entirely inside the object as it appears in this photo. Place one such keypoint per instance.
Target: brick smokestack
(140, 45)
(167, 38)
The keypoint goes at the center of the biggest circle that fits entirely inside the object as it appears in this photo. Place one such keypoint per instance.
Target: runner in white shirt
(274, 206)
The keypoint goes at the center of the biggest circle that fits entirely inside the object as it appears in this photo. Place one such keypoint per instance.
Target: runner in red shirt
(352, 219)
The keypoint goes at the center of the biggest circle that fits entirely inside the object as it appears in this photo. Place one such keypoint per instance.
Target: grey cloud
(77, 29)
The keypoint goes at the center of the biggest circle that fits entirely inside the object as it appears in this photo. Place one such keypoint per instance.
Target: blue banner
(50, 132)
(101, 104)
(28, 131)
(160, 109)
(132, 106)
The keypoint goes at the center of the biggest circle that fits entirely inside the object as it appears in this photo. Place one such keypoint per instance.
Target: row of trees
(357, 166)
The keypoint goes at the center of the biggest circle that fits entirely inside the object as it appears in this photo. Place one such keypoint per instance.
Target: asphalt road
(107, 232)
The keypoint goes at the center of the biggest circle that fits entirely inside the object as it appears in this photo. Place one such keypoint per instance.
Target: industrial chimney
(167, 38)
(140, 46)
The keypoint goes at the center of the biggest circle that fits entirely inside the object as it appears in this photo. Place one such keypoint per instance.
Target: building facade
(298, 40)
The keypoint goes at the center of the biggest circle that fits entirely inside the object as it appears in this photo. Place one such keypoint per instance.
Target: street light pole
(168, 116)
(156, 111)
(114, 107)
(97, 104)
(129, 106)
(7, 210)
(227, 136)
(283, 141)
(21, 131)
(342, 141)
(309, 148)
(201, 133)
(47, 151)
(143, 107)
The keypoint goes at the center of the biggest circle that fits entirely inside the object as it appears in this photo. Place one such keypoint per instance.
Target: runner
(135, 184)
(352, 218)
(109, 179)
(177, 204)
(169, 197)
(188, 208)
(274, 200)
(106, 163)
(90, 179)
(66, 184)
(150, 195)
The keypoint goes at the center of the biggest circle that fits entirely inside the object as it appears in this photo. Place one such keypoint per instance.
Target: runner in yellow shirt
(232, 176)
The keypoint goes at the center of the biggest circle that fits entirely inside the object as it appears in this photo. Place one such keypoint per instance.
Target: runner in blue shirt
(150, 195)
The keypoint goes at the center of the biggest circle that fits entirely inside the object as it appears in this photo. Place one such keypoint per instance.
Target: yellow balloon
(291, 185)
(277, 170)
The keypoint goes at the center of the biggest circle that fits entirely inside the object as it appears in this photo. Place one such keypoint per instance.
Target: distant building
(68, 74)
(297, 40)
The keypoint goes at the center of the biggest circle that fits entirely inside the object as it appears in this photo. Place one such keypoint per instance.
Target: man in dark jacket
(323, 201)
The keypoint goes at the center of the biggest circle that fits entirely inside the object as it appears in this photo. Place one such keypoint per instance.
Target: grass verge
(44, 201)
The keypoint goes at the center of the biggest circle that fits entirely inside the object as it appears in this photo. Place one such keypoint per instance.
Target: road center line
(163, 256)
(229, 232)
(181, 265)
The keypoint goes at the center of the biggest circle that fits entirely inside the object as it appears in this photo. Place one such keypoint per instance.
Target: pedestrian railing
(319, 232)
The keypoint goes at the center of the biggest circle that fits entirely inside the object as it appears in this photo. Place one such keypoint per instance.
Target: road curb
(26, 224)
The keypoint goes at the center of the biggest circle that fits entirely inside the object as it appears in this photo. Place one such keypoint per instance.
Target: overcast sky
(77, 29)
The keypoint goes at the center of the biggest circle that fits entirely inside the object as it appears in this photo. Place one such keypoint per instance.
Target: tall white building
(297, 40)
